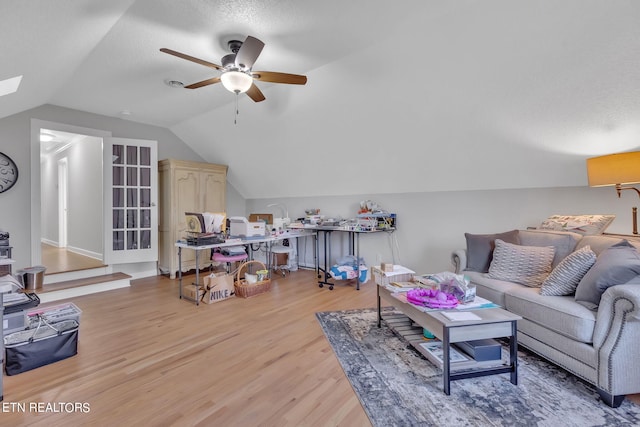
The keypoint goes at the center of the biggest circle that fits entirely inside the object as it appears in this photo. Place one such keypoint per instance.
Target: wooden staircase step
(78, 287)
(83, 282)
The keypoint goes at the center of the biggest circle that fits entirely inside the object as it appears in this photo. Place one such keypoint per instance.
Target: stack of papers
(14, 298)
(403, 285)
(460, 315)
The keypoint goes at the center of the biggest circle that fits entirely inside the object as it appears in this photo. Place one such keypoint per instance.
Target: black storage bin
(40, 346)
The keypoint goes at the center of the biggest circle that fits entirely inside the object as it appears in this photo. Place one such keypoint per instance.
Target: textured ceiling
(402, 97)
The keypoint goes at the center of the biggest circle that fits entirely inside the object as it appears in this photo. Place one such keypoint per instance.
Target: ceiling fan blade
(255, 93)
(274, 77)
(203, 83)
(248, 53)
(191, 58)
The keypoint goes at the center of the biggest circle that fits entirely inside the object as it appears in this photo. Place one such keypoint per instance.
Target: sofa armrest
(459, 260)
(616, 337)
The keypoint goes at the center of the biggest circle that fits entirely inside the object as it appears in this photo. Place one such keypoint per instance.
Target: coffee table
(493, 323)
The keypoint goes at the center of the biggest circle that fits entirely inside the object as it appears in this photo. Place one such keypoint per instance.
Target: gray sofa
(598, 345)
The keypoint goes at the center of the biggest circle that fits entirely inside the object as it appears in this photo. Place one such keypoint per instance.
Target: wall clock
(8, 172)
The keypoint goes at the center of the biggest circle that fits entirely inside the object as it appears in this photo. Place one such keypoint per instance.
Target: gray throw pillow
(565, 277)
(528, 265)
(615, 265)
(480, 248)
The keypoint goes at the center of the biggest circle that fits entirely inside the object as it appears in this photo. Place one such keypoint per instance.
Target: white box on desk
(241, 227)
(399, 274)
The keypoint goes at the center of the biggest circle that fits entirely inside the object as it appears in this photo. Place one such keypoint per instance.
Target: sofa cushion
(491, 289)
(528, 265)
(582, 224)
(614, 266)
(564, 242)
(557, 313)
(480, 248)
(564, 279)
(560, 349)
(600, 243)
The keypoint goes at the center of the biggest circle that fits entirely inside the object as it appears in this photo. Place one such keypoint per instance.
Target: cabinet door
(213, 191)
(186, 199)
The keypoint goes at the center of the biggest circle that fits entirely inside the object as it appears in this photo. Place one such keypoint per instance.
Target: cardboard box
(218, 287)
(386, 267)
(189, 292)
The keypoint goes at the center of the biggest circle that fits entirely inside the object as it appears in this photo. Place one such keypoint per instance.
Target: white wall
(432, 224)
(486, 95)
(85, 207)
(49, 200)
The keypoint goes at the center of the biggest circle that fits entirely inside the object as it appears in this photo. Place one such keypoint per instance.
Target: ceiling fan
(237, 75)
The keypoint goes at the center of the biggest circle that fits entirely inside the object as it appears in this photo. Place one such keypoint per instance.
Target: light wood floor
(147, 358)
(58, 260)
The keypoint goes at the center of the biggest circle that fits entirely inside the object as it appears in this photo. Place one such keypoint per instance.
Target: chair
(228, 259)
(278, 255)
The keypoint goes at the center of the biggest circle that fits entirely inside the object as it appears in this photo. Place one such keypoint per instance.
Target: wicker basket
(246, 290)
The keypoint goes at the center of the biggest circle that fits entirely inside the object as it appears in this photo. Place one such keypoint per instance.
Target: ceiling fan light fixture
(236, 81)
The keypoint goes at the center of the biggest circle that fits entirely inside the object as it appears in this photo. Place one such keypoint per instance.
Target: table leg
(513, 353)
(180, 270)
(316, 257)
(379, 308)
(446, 362)
(197, 276)
(269, 256)
(357, 237)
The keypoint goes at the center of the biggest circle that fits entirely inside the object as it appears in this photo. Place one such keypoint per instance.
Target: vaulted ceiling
(406, 96)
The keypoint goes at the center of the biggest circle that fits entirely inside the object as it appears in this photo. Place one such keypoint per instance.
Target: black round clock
(8, 172)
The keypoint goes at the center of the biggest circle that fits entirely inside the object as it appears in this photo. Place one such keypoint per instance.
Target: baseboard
(84, 252)
(50, 242)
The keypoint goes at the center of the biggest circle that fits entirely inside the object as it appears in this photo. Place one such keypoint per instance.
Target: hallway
(61, 260)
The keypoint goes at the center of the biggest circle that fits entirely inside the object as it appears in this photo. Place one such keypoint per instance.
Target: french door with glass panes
(131, 199)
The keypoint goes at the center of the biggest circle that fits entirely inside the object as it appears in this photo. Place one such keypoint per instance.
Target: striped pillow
(528, 265)
(564, 279)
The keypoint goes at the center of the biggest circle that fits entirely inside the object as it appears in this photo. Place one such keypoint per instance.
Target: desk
(268, 240)
(354, 248)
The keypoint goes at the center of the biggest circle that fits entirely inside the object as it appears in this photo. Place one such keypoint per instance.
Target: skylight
(9, 85)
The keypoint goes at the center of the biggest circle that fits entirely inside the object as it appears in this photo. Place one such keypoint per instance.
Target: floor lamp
(619, 170)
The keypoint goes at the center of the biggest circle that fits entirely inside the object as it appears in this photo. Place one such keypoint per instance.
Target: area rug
(399, 387)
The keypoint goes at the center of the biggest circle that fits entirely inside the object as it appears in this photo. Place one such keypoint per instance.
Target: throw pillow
(614, 266)
(564, 279)
(582, 224)
(528, 265)
(480, 248)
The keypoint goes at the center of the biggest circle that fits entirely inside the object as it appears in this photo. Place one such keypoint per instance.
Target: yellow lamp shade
(612, 169)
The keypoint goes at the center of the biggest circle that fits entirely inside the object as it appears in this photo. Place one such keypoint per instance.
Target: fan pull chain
(235, 119)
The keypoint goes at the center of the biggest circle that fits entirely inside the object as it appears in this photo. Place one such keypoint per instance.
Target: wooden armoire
(186, 186)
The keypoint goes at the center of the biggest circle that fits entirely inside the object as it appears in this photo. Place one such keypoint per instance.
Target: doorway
(108, 180)
(71, 194)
